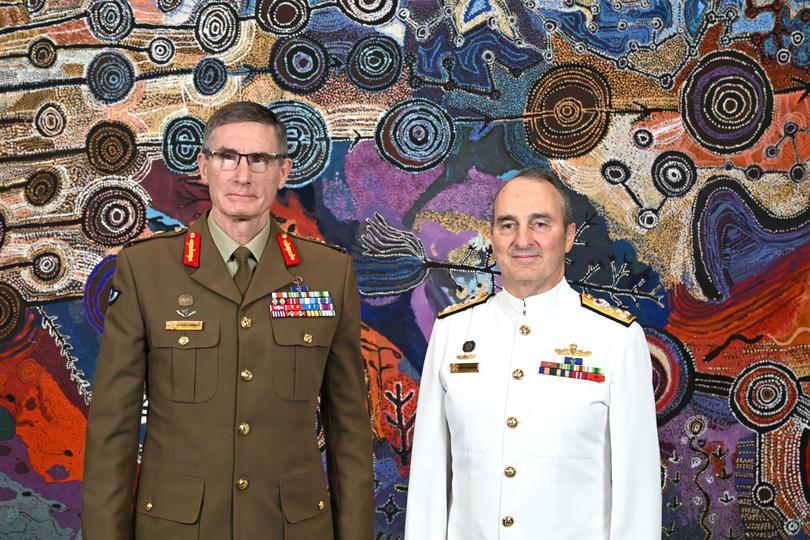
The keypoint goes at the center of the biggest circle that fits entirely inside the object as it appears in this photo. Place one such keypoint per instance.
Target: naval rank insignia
(572, 366)
(301, 303)
(602, 307)
(191, 253)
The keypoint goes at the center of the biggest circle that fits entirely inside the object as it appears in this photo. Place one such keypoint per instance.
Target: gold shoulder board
(466, 304)
(602, 307)
(161, 234)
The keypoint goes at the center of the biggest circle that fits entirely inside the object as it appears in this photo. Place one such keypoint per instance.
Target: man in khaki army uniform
(235, 329)
(536, 415)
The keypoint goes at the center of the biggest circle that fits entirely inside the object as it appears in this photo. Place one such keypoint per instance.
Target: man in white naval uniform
(536, 414)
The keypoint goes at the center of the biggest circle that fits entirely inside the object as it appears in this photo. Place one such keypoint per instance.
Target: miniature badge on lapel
(572, 365)
(191, 254)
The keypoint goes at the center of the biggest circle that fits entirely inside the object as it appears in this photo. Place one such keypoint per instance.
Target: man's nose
(523, 237)
(242, 171)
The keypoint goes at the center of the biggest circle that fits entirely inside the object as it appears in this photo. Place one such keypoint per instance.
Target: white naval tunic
(509, 453)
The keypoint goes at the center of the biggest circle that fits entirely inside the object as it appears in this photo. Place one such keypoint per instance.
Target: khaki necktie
(243, 271)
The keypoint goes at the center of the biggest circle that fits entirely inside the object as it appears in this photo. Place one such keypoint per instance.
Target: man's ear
(202, 165)
(286, 167)
(570, 232)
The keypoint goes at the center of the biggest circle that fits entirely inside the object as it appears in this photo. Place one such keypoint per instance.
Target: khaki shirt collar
(226, 245)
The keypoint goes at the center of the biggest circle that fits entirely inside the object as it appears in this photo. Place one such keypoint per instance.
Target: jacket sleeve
(347, 424)
(429, 485)
(635, 459)
(113, 424)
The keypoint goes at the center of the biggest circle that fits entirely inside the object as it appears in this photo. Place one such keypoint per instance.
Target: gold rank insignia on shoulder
(602, 307)
(464, 367)
(185, 325)
(466, 304)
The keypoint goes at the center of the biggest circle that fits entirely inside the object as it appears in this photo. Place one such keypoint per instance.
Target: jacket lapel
(212, 273)
(271, 274)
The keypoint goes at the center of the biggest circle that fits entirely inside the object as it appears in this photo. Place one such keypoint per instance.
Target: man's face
(242, 194)
(529, 239)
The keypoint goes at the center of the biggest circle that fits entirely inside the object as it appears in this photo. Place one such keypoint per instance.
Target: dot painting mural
(681, 128)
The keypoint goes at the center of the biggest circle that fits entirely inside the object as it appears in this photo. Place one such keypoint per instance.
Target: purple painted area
(67, 494)
(378, 186)
(7, 494)
(738, 238)
(57, 472)
(471, 197)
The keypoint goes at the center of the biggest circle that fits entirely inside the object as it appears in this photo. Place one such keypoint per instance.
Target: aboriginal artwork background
(682, 129)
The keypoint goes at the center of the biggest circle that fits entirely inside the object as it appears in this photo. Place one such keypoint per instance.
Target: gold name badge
(184, 325)
(466, 367)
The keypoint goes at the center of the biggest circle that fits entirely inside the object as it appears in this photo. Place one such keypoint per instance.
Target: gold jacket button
(512, 422)
(246, 375)
(517, 374)
(148, 506)
(183, 340)
(510, 472)
(508, 521)
(321, 506)
(307, 337)
(244, 428)
(242, 484)
(246, 322)
(525, 330)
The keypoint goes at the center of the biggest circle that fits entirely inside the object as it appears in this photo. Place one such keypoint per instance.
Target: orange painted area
(290, 213)
(386, 385)
(146, 11)
(71, 33)
(774, 305)
(787, 107)
(46, 421)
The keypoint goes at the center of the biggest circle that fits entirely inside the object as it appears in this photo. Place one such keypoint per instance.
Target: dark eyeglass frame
(267, 158)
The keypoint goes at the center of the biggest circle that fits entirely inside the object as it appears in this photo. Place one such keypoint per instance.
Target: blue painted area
(158, 221)
(608, 38)
(761, 24)
(476, 8)
(467, 68)
(85, 340)
(693, 11)
(800, 55)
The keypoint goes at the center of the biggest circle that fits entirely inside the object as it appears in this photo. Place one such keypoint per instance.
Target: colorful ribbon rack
(573, 369)
(301, 303)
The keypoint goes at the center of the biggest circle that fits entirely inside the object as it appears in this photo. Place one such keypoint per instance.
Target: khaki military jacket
(231, 450)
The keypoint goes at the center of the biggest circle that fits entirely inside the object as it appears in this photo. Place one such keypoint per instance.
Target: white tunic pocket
(468, 410)
(568, 418)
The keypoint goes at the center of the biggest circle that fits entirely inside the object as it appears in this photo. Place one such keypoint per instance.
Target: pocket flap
(304, 496)
(303, 332)
(207, 337)
(175, 497)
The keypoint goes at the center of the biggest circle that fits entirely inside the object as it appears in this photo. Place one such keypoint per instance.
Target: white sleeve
(429, 484)
(635, 460)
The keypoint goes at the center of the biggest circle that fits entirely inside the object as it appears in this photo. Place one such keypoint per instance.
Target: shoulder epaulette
(466, 304)
(320, 242)
(160, 234)
(602, 307)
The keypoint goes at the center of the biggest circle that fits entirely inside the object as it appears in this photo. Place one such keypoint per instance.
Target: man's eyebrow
(539, 215)
(507, 217)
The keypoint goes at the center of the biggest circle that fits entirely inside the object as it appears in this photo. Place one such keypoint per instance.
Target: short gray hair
(246, 111)
(541, 176)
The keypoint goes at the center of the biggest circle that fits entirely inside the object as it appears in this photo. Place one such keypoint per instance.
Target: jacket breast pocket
(188, 360)
(568, 418)
(306, 507)
(168, 506)
(299, 358)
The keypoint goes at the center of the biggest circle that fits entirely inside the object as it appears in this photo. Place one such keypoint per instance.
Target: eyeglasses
(258, 162)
